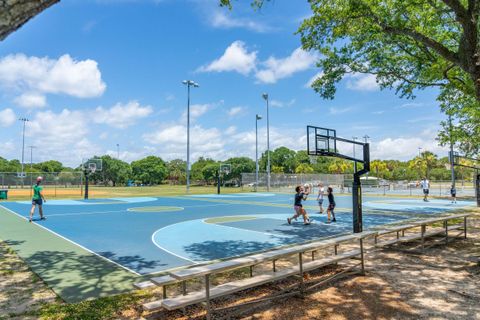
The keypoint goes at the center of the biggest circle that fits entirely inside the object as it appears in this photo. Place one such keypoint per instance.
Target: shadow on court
(84, 276)
(212, 250)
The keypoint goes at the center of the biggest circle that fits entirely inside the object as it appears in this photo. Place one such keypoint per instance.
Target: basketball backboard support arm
(323, 142)
(454, 158)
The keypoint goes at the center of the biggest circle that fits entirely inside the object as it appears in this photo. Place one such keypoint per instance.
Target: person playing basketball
(331, 204)
(300, 196)
(321, 192)
(38, 199)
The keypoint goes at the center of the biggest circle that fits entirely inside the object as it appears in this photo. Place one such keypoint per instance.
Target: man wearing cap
(37, 199)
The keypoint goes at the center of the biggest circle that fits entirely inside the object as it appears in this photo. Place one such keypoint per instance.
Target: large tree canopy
(14, 13)
(408, 45)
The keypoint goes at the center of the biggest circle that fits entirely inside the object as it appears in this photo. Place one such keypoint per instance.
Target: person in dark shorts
(453, 193)
(426, 188)
(331, 204)
(300, 196)
(37, 200)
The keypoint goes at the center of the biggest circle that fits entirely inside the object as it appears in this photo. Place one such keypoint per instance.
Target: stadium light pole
(355, 162)
(118, 151)
(31, 156)
(25, 120)
(188, 83)
(265, 96)
(419, 151)
(257, 117)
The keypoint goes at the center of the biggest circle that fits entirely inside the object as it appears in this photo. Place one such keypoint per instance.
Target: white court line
(168, 251)
(73, 242)
(247, 230)
(81, 213)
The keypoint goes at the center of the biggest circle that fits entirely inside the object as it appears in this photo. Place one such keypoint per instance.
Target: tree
(210, 172)
(407, 45)
(49, 166)
(378, 167)
(197, 167)
(304, 168)
(149, 170)
(240, 165)
(14, 13)
(284, 157)
(177, 170)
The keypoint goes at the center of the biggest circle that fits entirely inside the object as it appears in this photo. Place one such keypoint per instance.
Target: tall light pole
(25, 120)
(451, 150)
(355, 163)
(188, 83)
(265, 96)
(419, 151)
(257, 117)
(118, 151)
(31, 156)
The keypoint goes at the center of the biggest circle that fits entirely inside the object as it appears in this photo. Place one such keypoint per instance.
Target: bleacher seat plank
(144, 285)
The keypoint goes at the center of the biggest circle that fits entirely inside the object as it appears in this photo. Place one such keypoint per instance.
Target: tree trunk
(14, 13)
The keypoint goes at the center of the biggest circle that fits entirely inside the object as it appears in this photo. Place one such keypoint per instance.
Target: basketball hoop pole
(86, 184)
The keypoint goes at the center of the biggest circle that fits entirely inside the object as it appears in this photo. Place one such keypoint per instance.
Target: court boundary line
(168, 251)
(73, 242)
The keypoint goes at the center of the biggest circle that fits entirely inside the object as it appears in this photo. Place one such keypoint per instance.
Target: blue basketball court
(148, 235)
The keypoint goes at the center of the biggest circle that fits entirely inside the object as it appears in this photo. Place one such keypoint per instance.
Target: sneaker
(334, 220)
(307, 222)
(328, 221)
(289, 220)
(43, 218)
(29, 220)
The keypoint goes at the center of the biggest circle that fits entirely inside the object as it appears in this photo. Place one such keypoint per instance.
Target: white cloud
(220, 19)
(411, 105)
(281, 104)
(405, 148)
(231, 130)
(196, 111)
(275, 69)
(172, 141)
(7, 117)
(31, 100)
(236, 111)
(235, 58)
(362, 82)
(334, 111)
(62, 136)
(378, 112)
(40, 76)
(121, 115)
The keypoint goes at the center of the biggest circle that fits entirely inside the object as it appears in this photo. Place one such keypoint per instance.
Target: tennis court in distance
(147, 235)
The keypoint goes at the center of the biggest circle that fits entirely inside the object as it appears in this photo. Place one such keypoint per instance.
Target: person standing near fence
(331, 205)
(426, 188)
(453, 193)
(37, 200)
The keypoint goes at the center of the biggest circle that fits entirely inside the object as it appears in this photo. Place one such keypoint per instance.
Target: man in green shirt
(37, 199)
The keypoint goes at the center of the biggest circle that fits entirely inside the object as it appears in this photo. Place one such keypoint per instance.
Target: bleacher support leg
(361, 257)
(300, 264)
(465, 226)
(446, 231)
(207, 295)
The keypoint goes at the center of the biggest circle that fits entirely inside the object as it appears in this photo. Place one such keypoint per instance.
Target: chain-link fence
(287, 182)
(61, 184)
(343, 184)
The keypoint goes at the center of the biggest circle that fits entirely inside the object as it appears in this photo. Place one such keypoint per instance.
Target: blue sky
(93, 74)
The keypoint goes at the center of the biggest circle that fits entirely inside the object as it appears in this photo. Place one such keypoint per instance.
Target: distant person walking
(453, 193)
(331, 204)
(38, 199)
(321, 192)
(300, 196)
(426, 188)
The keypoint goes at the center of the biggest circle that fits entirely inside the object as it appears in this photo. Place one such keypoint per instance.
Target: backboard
(325, 142)
(225, 168)
(92, 165)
